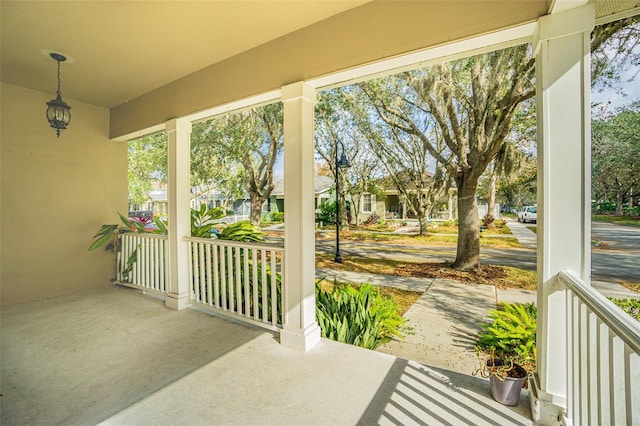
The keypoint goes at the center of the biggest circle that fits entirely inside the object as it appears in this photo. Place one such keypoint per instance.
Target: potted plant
(506, 349)
(506, 375)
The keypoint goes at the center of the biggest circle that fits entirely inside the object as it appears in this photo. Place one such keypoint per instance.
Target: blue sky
(624, 94)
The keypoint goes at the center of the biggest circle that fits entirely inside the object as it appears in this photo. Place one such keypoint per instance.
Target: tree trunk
(343, 211)
(619, 201)
(491, 207)
(255, 215)
(468, 252)
(423, 220)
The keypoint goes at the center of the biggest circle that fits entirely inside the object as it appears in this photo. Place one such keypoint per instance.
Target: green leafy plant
(326, 213)
(109, 235)
(242, 231)
(360, 317)
(512, 333)
(202, 220)
(630, 306)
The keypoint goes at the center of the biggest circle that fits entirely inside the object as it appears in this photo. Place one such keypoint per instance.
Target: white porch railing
(241, 279)
(604, 358)
(149, 272)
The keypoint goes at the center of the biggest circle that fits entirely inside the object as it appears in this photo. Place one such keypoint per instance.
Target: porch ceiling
(123, 49)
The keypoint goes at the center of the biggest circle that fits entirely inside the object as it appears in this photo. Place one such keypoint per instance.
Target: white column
(300, 329)
(562, 49)
(178, 169)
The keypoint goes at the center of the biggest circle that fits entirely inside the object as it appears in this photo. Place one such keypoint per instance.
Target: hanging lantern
(58, 111)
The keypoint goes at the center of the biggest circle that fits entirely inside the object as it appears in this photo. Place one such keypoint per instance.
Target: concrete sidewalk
(444, 320)
(525, 236)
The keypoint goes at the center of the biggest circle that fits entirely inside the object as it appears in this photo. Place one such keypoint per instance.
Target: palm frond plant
(506, 350)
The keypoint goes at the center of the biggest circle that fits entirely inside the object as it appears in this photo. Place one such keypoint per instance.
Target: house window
(367, 201)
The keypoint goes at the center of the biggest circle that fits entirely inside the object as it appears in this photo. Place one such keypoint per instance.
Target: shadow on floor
(415, 394)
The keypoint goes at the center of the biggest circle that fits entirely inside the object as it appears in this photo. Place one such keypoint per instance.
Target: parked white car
(528, 214)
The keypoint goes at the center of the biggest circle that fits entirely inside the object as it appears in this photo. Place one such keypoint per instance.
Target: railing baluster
(203, 277)
(238, 281)
(592, 365)
(584, 372)
(208, 284)
(604, 379)
(618, 397)
(153, 268)
(146, 244)
(195, 278)
(283, 294)
(254, 289)
(247, 283)
(223, 278)
(274, 292)
(265, 304)
(135, 271)
(216, 277)
(230, 278)
(633, 389)
(191, 271)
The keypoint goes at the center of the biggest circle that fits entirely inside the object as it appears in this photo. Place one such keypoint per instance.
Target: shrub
(276, 216)
(607, 207)
(360, 317)
(372, 219)
(630, 306)
(487, 221)
(631, 211)
(326, 213)
(512, 332)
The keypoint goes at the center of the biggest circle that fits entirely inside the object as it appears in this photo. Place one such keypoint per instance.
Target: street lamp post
(341, 163)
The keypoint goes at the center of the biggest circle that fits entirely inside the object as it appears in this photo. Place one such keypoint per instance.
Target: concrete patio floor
(118, 357)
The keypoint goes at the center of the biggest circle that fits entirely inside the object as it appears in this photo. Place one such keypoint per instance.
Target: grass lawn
(500, 276)
(620, 220)
(404, 298)
(533, 229)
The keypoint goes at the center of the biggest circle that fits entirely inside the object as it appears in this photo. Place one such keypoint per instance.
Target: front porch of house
(111, 355)
(185, 367)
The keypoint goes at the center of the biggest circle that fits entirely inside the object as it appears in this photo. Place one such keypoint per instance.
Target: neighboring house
(395, 204)
(322, 193)
(158, 200)
(370, 204)
(121, 88)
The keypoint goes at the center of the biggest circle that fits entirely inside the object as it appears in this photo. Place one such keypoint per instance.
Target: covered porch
(110, 355)
(116, 356)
